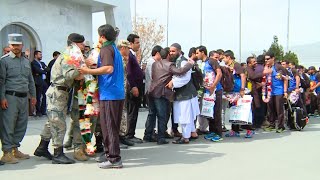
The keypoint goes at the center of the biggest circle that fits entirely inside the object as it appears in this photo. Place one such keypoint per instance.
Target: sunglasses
(267, 59)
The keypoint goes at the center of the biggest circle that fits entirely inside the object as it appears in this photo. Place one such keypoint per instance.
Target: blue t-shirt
(277, 86)
(237, 70)
(292, 81)
(313, 77)
(111, 86)
(209, 68)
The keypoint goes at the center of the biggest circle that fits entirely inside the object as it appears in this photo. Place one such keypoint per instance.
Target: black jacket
(38, 72)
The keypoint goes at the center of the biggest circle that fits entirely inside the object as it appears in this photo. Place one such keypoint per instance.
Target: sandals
(193, 138)
(180, 141)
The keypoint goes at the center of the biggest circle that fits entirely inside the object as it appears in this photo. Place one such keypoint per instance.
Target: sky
(260, 21)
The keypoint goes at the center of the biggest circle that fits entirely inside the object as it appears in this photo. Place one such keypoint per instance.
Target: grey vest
(187, 91)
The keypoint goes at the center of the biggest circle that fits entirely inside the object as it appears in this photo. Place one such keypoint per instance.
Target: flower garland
(266, 89)
(73, 56)
(88, 99)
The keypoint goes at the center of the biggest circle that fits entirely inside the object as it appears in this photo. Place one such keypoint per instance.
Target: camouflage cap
(87, 44)
(123, 43)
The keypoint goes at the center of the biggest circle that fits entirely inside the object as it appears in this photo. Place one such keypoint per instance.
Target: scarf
(107, 43)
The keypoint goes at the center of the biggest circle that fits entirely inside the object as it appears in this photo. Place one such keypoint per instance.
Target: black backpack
(304, 81)
(196, 77)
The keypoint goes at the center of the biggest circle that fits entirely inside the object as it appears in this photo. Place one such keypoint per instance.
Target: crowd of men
(169, 83)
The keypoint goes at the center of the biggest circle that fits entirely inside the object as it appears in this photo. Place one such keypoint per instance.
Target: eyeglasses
(267, 59)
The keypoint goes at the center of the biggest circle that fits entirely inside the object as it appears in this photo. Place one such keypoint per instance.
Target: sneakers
(216, 138)
(9, 158)
(108, 165)
(280, 130)
(269, 128)
(19, 155)
(249, 134)
(210, 136)
(232, 134)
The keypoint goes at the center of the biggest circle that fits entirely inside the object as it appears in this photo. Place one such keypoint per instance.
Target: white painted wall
(54, 20)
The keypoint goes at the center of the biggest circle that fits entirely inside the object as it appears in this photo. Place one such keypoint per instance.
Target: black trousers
(110, 118)
(259, 114)
(133, 105)
(41, 105)
(276, 111)
(215, 125)
(174, 126)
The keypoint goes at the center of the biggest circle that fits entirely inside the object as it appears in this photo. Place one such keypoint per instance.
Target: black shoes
(162, 141)
(60, 158)
(149, 139)
(135, 140)
(99, 145)
(126, 141)
(42, 150)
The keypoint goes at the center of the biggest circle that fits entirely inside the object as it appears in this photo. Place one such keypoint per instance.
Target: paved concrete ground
(288, 156)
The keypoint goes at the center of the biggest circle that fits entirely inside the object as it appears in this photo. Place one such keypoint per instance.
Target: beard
(173, 57)
(16, 51)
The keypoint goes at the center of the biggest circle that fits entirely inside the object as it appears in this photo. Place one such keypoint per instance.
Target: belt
(17, 94)
(61, 88)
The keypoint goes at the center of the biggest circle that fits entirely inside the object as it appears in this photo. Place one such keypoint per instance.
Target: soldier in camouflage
(63, 75)
(124, 48)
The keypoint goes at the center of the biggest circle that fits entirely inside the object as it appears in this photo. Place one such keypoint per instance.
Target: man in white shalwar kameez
(185, 105)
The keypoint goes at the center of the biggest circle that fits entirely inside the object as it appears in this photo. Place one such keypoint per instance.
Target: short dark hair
(108, 32)
(156, 50)
(211, 53)
(293, 63)
(286, 61)
(164, 53)
(220, 51)
(56, 53)
(36, 52)
(203, 49)
(192, 51)
(242, 64)
(300, 67)
(131, 37)
(229, 53)
(261, 59)
(271, 54)
(248, 59)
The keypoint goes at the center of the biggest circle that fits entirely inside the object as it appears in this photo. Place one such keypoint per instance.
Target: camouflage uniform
(62, 79)
(124, 118)
(75, 132)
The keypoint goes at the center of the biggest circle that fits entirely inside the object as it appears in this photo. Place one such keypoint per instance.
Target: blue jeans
(158, 108)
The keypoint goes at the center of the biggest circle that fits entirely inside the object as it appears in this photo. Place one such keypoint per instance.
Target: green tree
(277, 49)
(291, 57)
